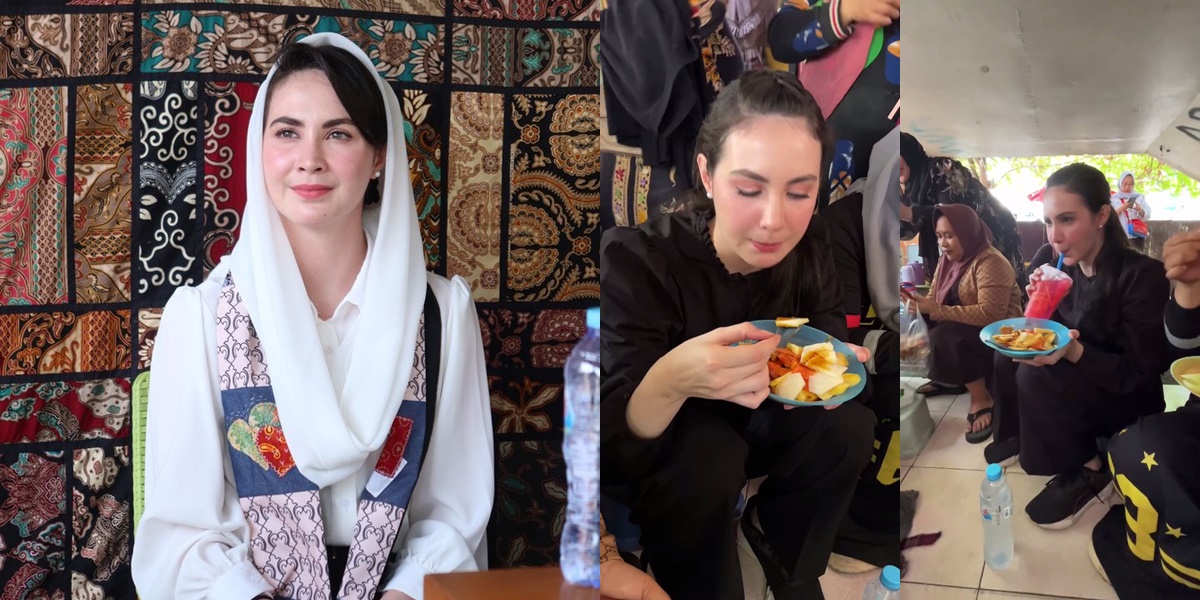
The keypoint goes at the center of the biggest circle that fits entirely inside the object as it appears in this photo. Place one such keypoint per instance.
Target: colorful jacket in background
(870, 108)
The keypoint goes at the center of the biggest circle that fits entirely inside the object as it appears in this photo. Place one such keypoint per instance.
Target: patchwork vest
(281, 506)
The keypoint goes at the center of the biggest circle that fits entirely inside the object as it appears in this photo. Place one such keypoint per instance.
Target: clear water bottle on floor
(887, 587)
(580, 548)
(995, 505)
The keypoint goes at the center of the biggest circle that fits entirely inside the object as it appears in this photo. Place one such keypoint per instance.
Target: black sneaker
(1066, 497)
(1003, 453)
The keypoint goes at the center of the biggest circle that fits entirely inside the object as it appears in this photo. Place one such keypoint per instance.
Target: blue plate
(807, 335)
(1061, 333)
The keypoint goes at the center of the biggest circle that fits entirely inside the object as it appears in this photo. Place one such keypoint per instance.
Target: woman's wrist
(663, 389)
(1187, 295)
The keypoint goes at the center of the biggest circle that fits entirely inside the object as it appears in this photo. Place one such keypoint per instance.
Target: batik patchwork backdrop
(122, 132)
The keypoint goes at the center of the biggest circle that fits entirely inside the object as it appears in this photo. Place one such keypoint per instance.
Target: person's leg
(867, 536)
(958, 358)
(812, 458)
(1006, 421)
(1062, 415)
(685, 505)
(981, 405)
(939, 356)
(1150, 547)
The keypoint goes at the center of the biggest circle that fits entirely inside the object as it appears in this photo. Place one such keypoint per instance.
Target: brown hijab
(974, 237)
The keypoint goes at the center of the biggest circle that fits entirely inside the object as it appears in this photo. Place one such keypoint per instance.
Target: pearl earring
(709, 194)
(376, 174)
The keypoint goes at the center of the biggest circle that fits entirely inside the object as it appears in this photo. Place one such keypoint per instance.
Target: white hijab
(1123, 195)
(331, 432)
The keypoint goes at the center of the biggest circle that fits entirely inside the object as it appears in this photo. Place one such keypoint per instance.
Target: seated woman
(286, 454)
(1051, 410)
(973, 286)
(1150, 546)
(683, 418)
(933, 181)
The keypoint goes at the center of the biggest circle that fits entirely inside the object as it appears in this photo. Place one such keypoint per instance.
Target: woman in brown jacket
(974, 285)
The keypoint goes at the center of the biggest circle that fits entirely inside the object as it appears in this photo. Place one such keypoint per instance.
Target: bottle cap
(994, 472)
(593, 318)
(890, 578)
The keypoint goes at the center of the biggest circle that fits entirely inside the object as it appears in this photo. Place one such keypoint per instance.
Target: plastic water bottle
(995, 504)
(887, 587)
(580, 548)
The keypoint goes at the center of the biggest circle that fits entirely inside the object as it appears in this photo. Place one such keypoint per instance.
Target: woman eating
(974, 285)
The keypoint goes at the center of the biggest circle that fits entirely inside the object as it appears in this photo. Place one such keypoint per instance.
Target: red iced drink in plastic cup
(1053, 286)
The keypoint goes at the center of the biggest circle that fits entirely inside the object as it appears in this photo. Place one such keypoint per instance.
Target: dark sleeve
(823, 306)
(846, 237)
(798, 34)
(1183, 330)
(922, 214)
(638, 317)
(1144, 291)
(1044, 256)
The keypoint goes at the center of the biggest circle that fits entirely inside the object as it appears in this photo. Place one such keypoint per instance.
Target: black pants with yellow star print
(1150, 547)
(1059, 414)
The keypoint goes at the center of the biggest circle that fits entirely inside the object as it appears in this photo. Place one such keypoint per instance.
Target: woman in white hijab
(319, 422)
(1133, 210)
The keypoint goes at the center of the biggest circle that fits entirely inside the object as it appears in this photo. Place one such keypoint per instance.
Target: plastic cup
(1051, 289)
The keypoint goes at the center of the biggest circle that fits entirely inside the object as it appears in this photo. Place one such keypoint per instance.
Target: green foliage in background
(1151, 175)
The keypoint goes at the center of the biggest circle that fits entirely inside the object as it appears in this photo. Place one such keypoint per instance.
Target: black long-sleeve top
(1125, 344)
(663, 285)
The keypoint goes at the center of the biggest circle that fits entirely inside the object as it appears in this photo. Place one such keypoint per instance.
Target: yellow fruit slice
(824, 350)
(834, 391)
(790, 322)
(806, 396)
(821, 365)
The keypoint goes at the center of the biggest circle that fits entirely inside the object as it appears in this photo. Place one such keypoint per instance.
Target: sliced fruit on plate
(789, 386)
(790, 322)
(824, 350)
(820, 383)
(821, 365)
(849, 380)
(806, 396)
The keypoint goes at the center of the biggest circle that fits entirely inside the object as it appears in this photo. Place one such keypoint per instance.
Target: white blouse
(193, 542)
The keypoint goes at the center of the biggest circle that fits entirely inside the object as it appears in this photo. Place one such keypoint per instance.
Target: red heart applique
(275, 450)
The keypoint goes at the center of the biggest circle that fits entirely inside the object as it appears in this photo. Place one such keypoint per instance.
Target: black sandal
(977, 437)
(934, 388)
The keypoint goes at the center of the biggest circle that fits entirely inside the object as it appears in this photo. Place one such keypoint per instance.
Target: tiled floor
(947, 473)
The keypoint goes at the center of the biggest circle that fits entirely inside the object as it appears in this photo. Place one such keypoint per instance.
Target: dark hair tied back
(795, 281)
